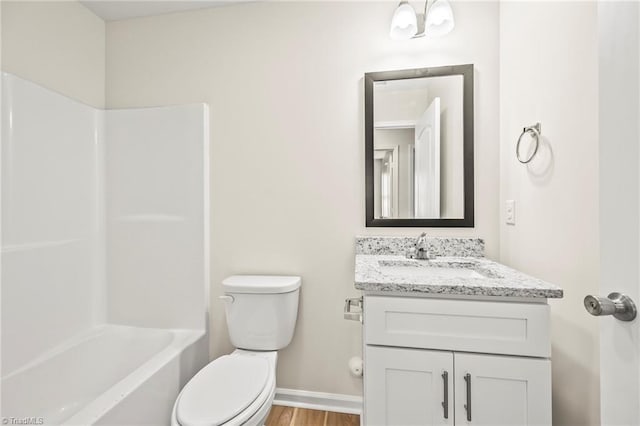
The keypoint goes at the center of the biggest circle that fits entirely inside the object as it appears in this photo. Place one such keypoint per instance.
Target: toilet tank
(261, 310)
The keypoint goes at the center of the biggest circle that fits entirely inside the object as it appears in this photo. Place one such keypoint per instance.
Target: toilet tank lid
(261, 284)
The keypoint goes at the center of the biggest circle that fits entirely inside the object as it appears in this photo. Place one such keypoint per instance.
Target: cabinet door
(502, 390)
(406, 387)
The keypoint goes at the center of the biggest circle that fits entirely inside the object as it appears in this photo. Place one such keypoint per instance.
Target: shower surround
(105, 247)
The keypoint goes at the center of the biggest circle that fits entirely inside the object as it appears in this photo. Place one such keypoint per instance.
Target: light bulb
(404, 24)
(439, 20)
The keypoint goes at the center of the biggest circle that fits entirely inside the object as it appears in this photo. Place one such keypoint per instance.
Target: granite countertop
(479, 277)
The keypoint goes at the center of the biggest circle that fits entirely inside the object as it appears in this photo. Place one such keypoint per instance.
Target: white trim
(392, 125)
(338, 403)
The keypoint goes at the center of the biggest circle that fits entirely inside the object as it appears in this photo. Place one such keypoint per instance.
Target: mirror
(419, 147)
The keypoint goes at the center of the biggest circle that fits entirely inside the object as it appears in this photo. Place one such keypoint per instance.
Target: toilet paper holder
(349, 305)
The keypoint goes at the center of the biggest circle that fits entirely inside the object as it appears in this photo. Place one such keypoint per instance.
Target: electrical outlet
(510, 212)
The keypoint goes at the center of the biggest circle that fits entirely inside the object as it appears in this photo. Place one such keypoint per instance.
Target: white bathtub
(115, 375)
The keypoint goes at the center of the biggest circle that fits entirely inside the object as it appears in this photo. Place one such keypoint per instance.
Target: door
(408, 387)
(496, 390)
(427, 163)
(386, 182)
(619, 46)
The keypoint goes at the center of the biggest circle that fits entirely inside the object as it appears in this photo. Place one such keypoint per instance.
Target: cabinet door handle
(445, 402)
(467, 406)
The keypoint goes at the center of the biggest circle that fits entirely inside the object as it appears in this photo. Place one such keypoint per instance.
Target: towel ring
(535, 131)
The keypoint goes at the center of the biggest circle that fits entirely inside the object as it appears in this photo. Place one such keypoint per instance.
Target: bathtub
(116, 375)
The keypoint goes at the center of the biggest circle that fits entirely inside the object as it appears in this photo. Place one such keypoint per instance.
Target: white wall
(549, 73)
(57, 44)
(285, 84)
(53, 198)
(55, 283)
(51, 229)
(157, 212)
(50, 289)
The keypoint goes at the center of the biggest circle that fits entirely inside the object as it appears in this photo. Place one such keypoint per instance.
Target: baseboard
(335, 402)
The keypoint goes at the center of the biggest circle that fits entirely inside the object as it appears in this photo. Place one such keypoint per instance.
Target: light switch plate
(510, 212)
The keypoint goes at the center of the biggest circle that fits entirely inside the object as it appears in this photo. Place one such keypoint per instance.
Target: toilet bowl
(238, 389)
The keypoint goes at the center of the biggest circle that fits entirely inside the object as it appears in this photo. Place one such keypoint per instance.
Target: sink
(431, 272)
(431, 269)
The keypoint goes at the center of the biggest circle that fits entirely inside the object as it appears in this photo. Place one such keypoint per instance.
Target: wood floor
(289, 416)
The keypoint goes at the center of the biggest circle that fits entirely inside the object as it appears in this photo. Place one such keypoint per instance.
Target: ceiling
(115, 10)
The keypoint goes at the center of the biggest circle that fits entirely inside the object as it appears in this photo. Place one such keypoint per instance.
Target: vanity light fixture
(436, 20)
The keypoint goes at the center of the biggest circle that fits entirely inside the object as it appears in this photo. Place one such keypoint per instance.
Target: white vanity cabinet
(408, 386)
(436, 361)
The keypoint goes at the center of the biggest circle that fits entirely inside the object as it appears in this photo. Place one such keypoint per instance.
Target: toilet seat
(230, 390)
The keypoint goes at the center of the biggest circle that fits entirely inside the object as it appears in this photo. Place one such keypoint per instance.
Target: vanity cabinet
(408, 387)
(441, 361)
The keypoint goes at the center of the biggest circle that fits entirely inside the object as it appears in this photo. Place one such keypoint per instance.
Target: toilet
(238, 389)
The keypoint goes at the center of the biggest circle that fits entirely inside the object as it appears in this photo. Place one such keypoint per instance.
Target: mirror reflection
(418, 159)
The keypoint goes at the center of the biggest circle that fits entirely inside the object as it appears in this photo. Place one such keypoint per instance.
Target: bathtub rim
(101, 405)
(78, 339)
(179, 341)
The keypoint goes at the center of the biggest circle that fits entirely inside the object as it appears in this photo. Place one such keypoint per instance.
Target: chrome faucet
(420, 250)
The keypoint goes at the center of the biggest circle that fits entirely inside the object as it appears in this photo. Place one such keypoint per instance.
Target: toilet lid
(222, 390)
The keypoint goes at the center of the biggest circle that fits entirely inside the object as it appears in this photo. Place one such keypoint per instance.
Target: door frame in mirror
(466, 71)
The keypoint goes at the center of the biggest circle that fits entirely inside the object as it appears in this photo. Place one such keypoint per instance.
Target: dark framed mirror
(419, 147)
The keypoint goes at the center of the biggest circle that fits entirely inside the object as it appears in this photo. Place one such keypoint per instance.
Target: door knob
(616, 304)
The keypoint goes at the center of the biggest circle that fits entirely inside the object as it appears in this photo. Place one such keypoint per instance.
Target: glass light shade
(439, 19)
(404, 23)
